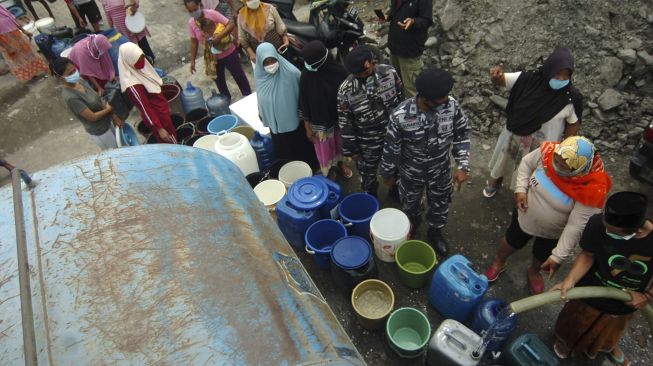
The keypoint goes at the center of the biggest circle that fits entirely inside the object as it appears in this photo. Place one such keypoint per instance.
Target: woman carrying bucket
(143, 85)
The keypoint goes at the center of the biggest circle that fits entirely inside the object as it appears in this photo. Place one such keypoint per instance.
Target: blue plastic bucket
(226, 122)
(320, 238)
(356, 212)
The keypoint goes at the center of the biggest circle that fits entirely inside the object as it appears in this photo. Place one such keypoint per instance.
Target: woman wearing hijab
(543, 106)
(92, 59)
(20, 56)
(318, 92)
(559, 186)
(85, 103)
(277, 90)
(143, 85)
(617, 252)
(260, 22)
(116, 11)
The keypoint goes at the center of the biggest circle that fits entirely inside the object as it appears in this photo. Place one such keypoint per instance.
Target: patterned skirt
(21, 56)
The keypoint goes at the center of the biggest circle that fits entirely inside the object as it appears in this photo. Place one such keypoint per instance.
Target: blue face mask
(72, 79)
(556, 84)
(619, 237)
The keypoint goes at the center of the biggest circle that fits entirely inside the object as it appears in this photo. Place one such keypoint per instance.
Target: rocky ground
(469, 36)
(612, 42)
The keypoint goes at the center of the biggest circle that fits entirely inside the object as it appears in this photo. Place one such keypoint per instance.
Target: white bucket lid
(44, 24)
(389, 224)
(294, 170)
(270, 192)
(206, 142)
(135, 23)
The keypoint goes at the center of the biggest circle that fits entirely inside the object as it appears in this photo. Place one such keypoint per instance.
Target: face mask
(253, 4)
(140, 64)
(73, 78)
(196, 14)
(271, 69)
(316, 65)
(619, 237)
(556, 84)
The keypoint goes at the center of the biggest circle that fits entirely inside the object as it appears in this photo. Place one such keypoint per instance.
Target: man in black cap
(365, 100)
(422, 131)
(409, 22)
(617, 252)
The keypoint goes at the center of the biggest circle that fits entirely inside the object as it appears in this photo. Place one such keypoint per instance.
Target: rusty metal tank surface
(160, 254)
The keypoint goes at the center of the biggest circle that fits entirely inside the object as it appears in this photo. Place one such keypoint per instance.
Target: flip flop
(556, 348)
(619, 361)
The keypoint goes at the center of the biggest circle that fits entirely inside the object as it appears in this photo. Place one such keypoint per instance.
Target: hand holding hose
(564, 286)
(639, 300)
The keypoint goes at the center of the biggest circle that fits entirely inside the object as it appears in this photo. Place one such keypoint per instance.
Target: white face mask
(271, 69)
(253, 4)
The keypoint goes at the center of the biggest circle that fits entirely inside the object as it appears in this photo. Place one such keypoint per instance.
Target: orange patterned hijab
(590, 183)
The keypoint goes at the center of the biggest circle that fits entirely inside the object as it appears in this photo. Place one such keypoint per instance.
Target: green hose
(530, 303)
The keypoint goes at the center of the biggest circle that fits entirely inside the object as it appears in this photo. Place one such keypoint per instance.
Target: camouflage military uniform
(417, 149)
(363, 112)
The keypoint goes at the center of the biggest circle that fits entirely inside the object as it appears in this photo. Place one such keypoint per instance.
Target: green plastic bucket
(408, 332)
(416, 260)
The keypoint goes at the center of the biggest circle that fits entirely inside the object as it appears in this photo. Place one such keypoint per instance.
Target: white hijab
(128, 54)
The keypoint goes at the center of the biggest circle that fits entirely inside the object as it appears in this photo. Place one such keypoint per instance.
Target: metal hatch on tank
(159, 254)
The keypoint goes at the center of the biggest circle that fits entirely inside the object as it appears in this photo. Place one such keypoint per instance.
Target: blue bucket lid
(308, 193)
(351, 252)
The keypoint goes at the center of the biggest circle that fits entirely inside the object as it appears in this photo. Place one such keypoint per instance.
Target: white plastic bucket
(45, 25)
(237, 149)
(270, 192)
(294, 170)
(389, 228)
(206, 142)
(31, 28)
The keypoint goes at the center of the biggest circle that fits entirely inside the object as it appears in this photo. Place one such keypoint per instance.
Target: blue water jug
(528, 350)
(217, 104)
(58, 46)
(116, 39)
(493, 321)
(192, 98)
(294, 222)
(262, 145)
(457, 288)
(329, 210)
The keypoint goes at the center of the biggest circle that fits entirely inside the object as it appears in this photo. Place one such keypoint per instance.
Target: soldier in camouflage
(365, 100)
(422, 132)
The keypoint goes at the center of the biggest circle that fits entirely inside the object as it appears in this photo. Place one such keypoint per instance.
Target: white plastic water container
(45, 25)
(237, 149)
(453, 344)
(293, 171)
(389, 228)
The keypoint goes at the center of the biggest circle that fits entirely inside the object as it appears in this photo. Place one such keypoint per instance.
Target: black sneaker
(438, 241)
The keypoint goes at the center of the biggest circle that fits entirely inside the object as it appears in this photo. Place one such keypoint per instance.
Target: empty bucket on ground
(415, 260)
(389, 228)
(293, 171)
(408, 332)
(356, 211)
(320, 237)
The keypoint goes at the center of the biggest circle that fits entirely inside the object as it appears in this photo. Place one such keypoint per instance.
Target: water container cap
(351, 252)
(189, 86)
(308, 194)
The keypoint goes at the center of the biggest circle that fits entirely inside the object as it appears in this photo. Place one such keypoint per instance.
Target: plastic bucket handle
(311, 252)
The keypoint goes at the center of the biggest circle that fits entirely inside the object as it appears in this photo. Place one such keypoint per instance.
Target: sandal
(489, 191)
(493, 273)
(345, 171)
(556, 348)
(619, 361)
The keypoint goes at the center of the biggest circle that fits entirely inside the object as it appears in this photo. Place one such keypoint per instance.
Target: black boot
(393, 192)
(437, 241)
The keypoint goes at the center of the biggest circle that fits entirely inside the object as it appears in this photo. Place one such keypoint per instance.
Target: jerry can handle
(531, 352)
(459, 274)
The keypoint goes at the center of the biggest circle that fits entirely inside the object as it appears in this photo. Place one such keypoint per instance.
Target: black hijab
(318, 90)
(532, 102)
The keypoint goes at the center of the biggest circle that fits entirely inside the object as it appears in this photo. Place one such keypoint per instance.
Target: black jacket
(409, 43)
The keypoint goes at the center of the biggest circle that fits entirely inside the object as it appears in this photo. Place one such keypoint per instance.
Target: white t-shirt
(554, 128)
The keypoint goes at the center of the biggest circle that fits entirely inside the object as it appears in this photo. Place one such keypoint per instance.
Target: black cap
(626, 210)
(434, 83)
(355, 60)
